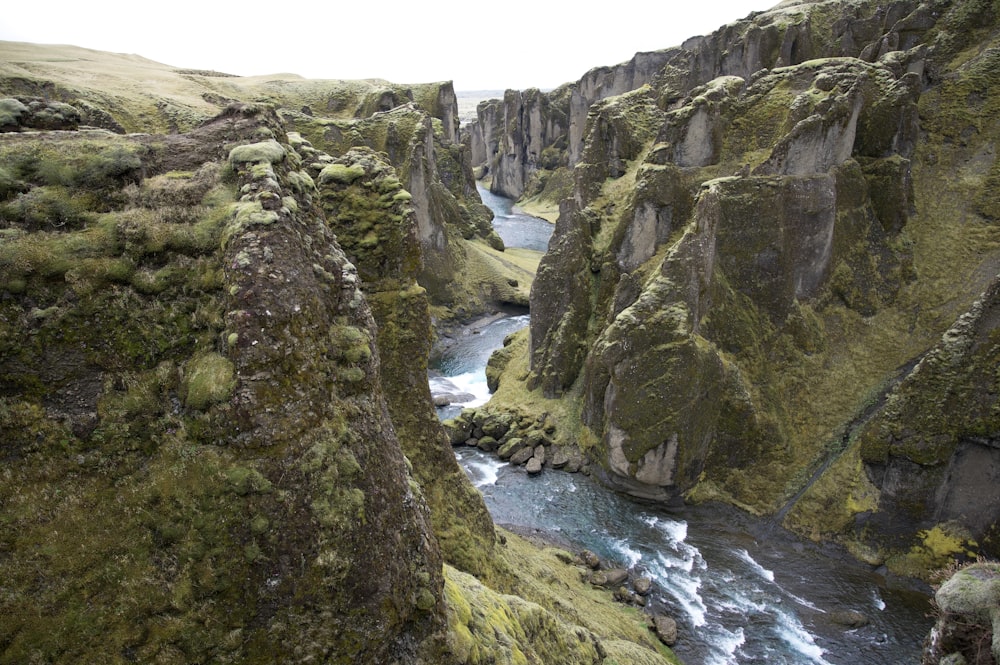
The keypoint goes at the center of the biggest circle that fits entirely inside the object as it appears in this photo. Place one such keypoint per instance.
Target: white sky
(485, 45)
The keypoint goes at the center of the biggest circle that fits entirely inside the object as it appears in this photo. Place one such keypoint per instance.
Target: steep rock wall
(789, 34)
(191, 377)
(745, 262)
(373, 218)
(446, 208)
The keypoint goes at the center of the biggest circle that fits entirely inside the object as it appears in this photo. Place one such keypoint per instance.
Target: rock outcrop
(375, 220)
(968, 625)
(191, 378)
(757, 243)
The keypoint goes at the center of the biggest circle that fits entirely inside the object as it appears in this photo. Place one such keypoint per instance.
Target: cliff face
(794, 208)
(510, 137)
(375, 220)
(192, 393)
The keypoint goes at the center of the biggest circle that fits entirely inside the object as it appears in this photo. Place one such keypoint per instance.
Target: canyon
(772, 284)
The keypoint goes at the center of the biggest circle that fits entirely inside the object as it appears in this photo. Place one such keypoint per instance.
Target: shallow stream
(743, 590)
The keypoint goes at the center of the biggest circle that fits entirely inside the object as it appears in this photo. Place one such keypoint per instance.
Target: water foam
(621, 546)
(803, 602)
(798, 638)
(677, 531)
(724, 646)
(484, 473)
(684, 589)
(756, 567)
(473, 383)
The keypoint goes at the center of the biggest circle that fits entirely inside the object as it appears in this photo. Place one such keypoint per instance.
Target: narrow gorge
(764, 335)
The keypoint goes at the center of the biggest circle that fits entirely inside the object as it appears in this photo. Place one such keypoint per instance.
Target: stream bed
(742, 589)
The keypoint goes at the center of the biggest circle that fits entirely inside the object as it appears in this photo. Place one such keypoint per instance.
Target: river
(743, 590)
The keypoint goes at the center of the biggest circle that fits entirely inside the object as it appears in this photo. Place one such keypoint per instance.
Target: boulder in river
(497, 425)
(458, 430)
(609, 578)
(559, 458)
(849, 618)
(512, 447)
(521, 456)
(642, 585)
(665, 629)
(534, 466)
(487, 444)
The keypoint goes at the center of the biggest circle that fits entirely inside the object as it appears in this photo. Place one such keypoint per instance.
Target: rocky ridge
(753, 243)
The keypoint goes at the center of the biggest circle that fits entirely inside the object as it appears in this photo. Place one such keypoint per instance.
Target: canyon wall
(758, 245)
(217, 433)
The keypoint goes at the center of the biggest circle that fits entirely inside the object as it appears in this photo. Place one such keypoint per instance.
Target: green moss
(936, 549)
(11, 111)
(209, 379)
(265, 152)
(341, 174)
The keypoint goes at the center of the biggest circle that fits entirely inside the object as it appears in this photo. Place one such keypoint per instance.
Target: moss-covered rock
(203, 391)
(968, 625)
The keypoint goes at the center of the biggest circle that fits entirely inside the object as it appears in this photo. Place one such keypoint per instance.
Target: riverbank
(742, 589)
(539, 207)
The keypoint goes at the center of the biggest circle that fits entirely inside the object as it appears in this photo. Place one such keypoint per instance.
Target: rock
(534, 466)
(616, 576)
(642, 585)
(521, 456)
(969, 604)
(457, 430)
(560, 458)
(496, 426)
(511, 447)
(487, 444)
(850, 618)
(665, 629)
(540, 454)
(536, 437)
(609, 578)
(953, 659)
(625, 595)
(590, 560)
(574, 464)
(598, 578)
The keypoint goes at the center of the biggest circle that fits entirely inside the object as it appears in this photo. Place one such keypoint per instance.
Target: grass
(554, 616)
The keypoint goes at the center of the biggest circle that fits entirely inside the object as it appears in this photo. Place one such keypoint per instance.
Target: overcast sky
(489, 45)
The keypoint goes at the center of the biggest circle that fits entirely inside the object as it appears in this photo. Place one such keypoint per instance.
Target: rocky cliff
(200, 459)
(758, 244)
(217, 434)
(415, 125)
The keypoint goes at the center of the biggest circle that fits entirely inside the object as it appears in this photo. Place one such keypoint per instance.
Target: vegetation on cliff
(218, 440)
(767, 228)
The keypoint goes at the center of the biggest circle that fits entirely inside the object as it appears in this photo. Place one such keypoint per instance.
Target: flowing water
(742, 589)
(516, 228)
